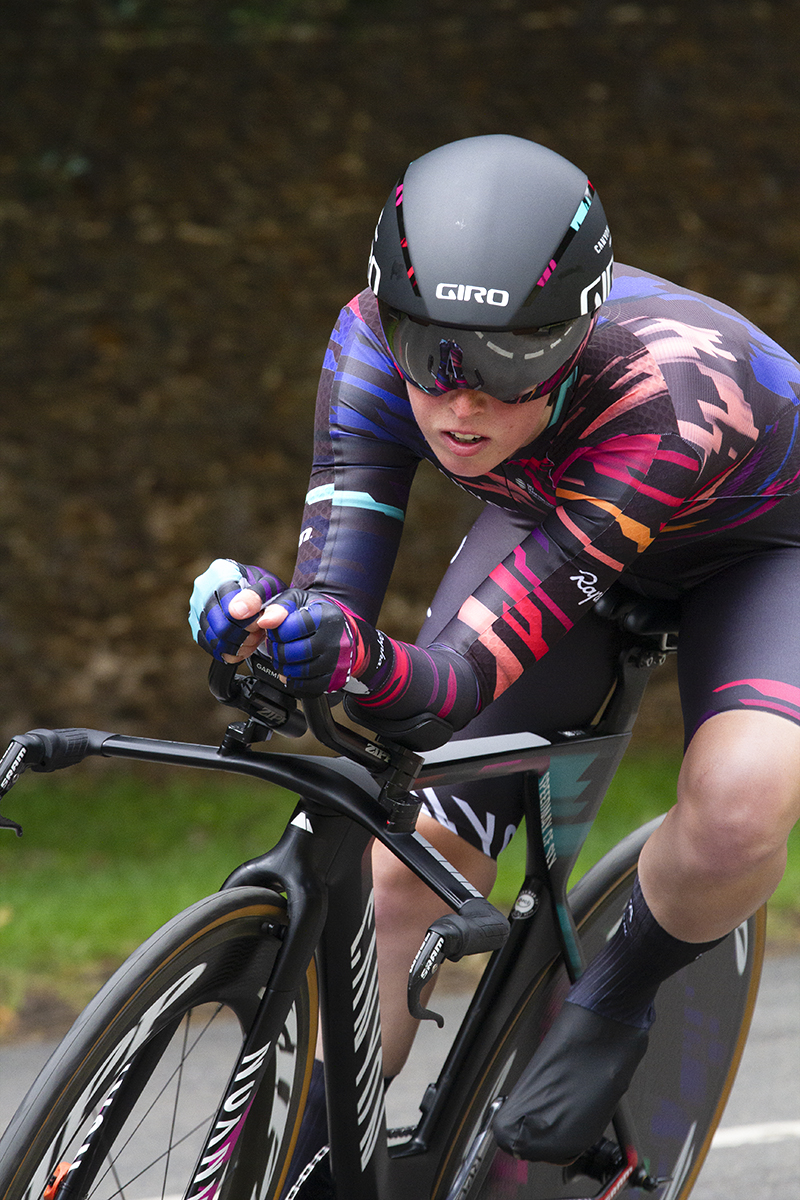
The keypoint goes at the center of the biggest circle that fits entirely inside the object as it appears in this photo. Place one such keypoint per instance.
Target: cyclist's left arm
(613, 501)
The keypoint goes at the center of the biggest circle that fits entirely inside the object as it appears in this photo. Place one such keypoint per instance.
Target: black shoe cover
(567, 1095)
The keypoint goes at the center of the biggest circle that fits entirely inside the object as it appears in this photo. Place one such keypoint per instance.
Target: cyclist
(620, 429)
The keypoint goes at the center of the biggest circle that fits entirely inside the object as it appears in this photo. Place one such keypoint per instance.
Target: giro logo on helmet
(373, 273)
(597, 291)
(470, 291)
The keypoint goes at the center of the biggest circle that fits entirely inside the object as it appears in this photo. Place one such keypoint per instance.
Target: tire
(680, 1089)
(156, 1048)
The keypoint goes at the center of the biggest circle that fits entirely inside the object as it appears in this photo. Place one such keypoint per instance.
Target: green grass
(107, 857)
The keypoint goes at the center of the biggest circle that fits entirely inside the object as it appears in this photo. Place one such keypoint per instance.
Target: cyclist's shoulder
(652, 328)
(648, 312)
(636, 293)
(358, 322)
(676, 325)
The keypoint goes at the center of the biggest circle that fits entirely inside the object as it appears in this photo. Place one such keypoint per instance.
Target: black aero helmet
(489, 261)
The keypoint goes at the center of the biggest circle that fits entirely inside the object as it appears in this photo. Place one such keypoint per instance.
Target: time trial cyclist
(621, 430)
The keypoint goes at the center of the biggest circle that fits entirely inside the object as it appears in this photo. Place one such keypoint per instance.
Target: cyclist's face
(471, 432)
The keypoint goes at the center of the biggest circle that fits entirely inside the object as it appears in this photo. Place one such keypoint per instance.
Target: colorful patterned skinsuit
(671, 465)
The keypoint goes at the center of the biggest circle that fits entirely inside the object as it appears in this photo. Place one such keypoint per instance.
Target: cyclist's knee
(739, 790)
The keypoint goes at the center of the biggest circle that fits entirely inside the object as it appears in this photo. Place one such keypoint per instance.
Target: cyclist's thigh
(739, 642)
(564, 690)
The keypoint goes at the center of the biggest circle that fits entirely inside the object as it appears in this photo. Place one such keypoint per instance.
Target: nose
(466, 403)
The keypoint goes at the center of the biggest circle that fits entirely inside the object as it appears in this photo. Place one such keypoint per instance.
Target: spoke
(148, 1166)
(120, 1185)
(177, 1072)
(177, 1098)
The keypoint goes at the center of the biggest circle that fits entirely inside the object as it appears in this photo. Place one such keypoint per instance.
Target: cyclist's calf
(404, 909)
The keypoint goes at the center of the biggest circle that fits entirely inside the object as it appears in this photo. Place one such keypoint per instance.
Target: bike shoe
(567, 1095)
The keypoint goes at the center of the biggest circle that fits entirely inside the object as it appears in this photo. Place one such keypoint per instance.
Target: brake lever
(478, 927)
(12, 766)
(45, 750)
(430, 957)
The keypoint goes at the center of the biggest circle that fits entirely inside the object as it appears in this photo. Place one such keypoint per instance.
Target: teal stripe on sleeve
(346, 499)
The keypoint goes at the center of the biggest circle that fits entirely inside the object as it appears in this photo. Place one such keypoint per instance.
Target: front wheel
(125, 1105)
(681, 1086)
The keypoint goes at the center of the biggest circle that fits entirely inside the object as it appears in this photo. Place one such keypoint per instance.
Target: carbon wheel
(128, 1102)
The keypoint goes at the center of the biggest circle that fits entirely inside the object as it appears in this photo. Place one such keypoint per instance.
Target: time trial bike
(188, 1074)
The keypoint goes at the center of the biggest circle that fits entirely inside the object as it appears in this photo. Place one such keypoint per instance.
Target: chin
(468, 468)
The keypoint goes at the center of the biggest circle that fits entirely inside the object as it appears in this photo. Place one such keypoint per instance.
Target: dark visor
(506, 365)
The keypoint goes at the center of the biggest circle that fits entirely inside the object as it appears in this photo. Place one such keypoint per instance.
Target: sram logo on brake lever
(430, 957)
(12, 767)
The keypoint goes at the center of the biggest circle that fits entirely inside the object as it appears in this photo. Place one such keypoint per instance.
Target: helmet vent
(574, 226)
(401, 229)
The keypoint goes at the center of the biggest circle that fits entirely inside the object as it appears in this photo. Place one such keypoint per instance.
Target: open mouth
(465, 439)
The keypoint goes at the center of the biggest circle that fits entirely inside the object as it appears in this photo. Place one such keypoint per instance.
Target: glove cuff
(372, 655)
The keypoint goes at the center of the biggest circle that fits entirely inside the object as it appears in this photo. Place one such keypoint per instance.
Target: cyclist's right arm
(366, 450)
(367, 447)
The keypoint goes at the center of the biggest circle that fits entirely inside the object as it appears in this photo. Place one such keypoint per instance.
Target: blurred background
(188, 189)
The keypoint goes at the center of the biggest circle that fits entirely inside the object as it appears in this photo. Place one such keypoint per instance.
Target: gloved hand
(319, 645)
(213, 627)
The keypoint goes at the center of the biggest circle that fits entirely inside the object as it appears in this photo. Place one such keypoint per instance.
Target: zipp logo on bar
(470, 291)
